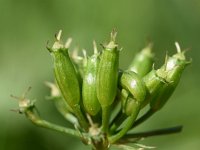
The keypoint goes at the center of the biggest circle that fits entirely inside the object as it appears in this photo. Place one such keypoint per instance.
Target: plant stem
(45, 124)
(82, 120)
(128, 124)
(105, 118)
(147, 115)
(117, 122)
(132, 137)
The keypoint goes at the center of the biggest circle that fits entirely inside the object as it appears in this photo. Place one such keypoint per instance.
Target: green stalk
(158, 132)
(117, 122)
(124, 130)
(45, 124)
(105, 118)
(146, 116)
(82, 120)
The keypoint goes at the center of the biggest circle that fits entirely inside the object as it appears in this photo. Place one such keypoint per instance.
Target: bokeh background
(26, 26)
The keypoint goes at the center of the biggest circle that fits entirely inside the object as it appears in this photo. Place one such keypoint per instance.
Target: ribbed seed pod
(107, 79)
(134, 84)
(171, 72)
(143, 61)
(65, 73)
(153, 83)
(132, 106)
(66, 77)
(89, 94)
(107, 75)
(123, 98)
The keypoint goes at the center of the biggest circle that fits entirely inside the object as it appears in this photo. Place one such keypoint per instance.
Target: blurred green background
(25, 27)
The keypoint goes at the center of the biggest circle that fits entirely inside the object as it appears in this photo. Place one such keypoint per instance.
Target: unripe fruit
(65, 73)
(171, 73)
(89, 94)
(107, 76)
(143, 61)
(134, 84)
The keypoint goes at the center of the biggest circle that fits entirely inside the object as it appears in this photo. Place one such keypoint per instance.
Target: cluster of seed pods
(101, 97)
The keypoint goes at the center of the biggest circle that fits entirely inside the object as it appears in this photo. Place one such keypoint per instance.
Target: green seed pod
(107, 76)
(131, 106)
(134, 84)
(126, 103)
(143, 61)
(65, 73)
(153, 83)
(171, 72)
(123, 98)
(90, 101)
(67, 78)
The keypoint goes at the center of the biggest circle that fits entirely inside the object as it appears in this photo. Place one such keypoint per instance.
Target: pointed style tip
(113, 35)
(178, 48)
(16, 111)
(121, 49)
(166, 60)
(147, 50)
(48, 84)
(84, 57)
(84, 53)
(26, 92)
(180, 53)
(68, 43)
(15, 97)
(112, 44)
(95, 47)
(153, 66)
(58, 35)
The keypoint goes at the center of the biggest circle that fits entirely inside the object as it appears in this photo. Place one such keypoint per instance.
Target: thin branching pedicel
(102, 101)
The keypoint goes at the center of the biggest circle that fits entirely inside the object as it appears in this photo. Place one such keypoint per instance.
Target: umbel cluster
(103, 101)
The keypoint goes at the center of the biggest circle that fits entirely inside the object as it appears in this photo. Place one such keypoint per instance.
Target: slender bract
(89, 94)
(143, 61)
